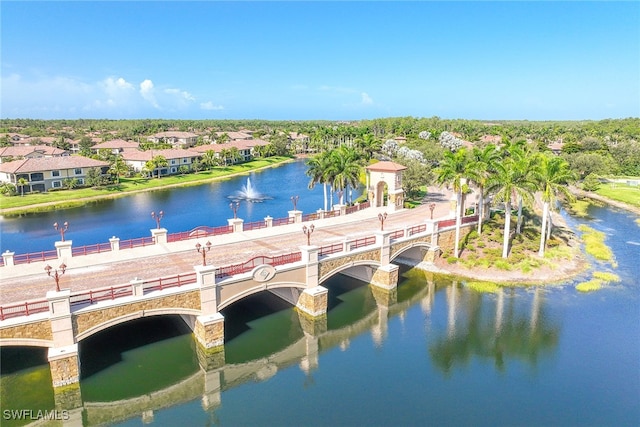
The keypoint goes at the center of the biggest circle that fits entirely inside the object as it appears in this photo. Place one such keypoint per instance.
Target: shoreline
(73, 203)
(615, 203)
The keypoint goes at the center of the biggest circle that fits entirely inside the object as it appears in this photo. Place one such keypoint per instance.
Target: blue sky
(320, 60)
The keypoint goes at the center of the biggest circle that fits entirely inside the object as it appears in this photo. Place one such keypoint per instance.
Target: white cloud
(147, 91)
(210, 106)
(366, 99)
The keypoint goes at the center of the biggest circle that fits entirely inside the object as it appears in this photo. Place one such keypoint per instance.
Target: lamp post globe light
(382, 217)
(307, 231)
(295, 199)
(432, 206)
(234, 207)
(61, 228)
(203, 250)
(56, 275)
(157, 217)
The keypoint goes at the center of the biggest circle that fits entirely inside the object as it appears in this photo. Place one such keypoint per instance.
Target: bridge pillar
(115, 244)
(313, 302)
(65, 366)
(309, 255)
(63, 356)
(383, 240)
(296, 215)
(7, 258)
(268, 220)
(64, 249)
(209, 332)
(206, 280)
(386, 277)
(236, 224)
(159, 236)
(432, 254)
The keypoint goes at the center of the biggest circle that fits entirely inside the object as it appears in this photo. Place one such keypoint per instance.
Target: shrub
(484, 287)
(589, 286)
(606, 277)
(502, 264)
(451, 259)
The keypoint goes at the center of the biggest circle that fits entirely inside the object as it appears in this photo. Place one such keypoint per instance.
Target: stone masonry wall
(86, 321)
(40, 330)
(327, 266)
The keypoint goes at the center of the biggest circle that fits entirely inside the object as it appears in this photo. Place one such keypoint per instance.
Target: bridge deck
(28, 282)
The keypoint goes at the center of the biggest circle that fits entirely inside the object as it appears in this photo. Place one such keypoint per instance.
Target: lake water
(440, 354)
(184, 209)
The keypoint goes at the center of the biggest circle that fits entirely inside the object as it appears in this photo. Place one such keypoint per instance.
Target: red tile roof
(50, 163)
(386, 167)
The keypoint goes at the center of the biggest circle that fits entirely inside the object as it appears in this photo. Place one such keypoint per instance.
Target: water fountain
(249, 193)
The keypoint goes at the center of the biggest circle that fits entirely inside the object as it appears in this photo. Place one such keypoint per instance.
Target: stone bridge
(64, 319)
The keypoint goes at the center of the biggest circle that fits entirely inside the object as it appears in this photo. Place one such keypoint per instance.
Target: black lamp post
(382, 218)
(157, 217)
(295, 199)
(308, 230)
(203, 250)
(234, 207)
(432, 206)
(56, 276)
(64, 227)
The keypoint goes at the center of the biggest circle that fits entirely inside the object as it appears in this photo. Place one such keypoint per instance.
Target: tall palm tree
(510, 182)
(317, 171)
(553, 175)
(209, 158)
(118, 167)
(483, 163)
(344, 170)
(454, 169)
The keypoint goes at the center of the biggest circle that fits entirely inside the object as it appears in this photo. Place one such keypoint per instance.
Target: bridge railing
(283, 221)
(35, 257)
(162, 283)
(331, 249)
(310, 217)
(397, 234)
(202, 231)
(94, 296)
(255, 225)
(231, 270)
(365, 241)
(23, 309)
(137, 243)
(91, 249)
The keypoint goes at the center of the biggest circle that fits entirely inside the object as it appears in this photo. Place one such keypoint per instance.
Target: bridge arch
(324, 276)
(259, 287)
(25, 342)
(133, 316)
(403, 247)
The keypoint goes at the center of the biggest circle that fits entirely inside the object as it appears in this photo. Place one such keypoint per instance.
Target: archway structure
(388, 173)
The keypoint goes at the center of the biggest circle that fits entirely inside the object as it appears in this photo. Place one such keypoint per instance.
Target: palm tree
(553, 174)
(225, 154)
(209, 158)
(118, 167)
(317, 171)
(509, 182)
(234, 154)
(482, 166)
(368, 145)
(344, 169)
(22, 182)
(157, 162)
(454, 169)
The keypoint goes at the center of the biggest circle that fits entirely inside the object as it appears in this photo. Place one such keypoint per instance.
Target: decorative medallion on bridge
(263, 273)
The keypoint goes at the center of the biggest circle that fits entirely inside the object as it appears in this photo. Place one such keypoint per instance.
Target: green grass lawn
(621, 192)
(68, 198)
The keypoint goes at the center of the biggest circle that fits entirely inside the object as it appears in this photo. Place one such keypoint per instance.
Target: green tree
(344, 170)
(157, 163)
(453, 170)
(553, 174)
(483, 164)
(591, 182)
(317, 167)
(22, 182)
(70, 183)
(209, 159)
(415, 176)
(118, 167)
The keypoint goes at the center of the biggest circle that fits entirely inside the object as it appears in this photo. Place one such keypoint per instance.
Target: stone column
(60, 318)
(237, 224)
(309, 256)
(209, 332)
(268, 220)
(386, 277)
(206, 280)
(137, 287)
(383, 241)
(313, 302)
(7, 258)
(296, 215)
(432, 254)
(341, 208)
(320, 213)
(65, 366)
(159, 235)
(115, 243)
(64, 249)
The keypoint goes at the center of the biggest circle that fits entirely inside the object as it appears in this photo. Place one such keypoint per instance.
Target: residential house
(8, 154)
(176, 157)
(115, 146)
(176, 139)
(45, 173)
(245, 148)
